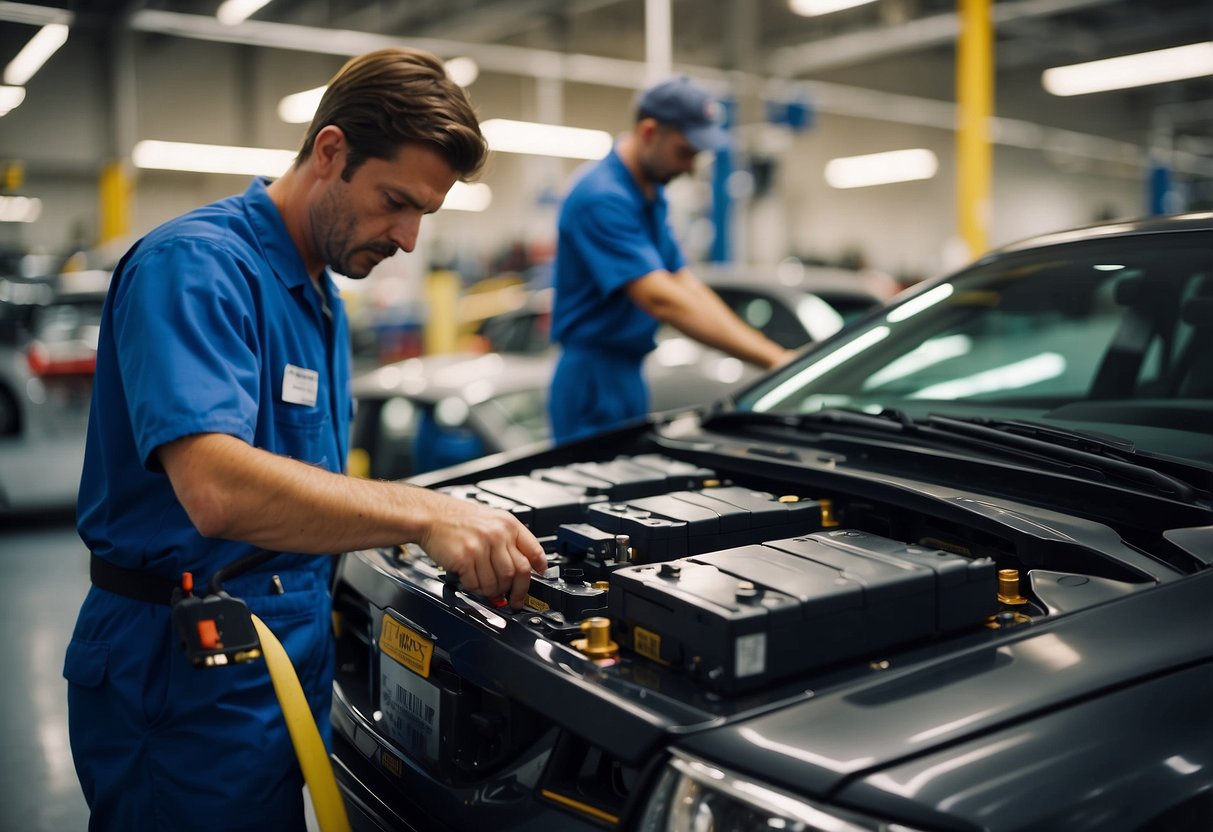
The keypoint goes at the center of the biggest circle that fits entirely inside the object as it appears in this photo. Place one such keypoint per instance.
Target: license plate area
(411, 705)
(457, 731)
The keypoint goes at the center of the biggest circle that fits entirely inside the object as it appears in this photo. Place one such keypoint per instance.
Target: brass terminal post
(1008, 588)
(597, 644)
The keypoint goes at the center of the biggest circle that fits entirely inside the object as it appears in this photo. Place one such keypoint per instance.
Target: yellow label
(406, 646)
(537, 605)
(391, 762)
(647, 644)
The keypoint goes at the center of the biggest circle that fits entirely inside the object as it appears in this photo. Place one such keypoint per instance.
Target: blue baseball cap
(687, 107)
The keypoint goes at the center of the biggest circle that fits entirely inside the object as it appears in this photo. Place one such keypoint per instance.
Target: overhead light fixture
(262, 161)
(19, 208)
(508, 136)
(463, 71)
(299, 107)
(10, 99)
(35, 53)
(233, 12)
(211, 158)
(881, 168)
(1176, 64)
(813, 8)
(468, 196)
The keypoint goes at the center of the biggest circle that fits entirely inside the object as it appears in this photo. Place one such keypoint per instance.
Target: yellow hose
(309, 748)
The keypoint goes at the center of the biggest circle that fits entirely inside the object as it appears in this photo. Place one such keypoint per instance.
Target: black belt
(130, 583)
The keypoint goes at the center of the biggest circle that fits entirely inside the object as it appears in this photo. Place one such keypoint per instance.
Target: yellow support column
(115, 197)
(975, 107)
(442, 302)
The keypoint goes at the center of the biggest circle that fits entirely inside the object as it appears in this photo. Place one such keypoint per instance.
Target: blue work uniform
(212, 324)
(609, 235)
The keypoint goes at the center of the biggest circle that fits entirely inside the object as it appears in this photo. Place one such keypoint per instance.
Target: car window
(521, 416)
(1113, 333)
(767, 314)
(386, 430)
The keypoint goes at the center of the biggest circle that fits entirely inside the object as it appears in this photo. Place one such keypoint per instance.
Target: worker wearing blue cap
(619, 271)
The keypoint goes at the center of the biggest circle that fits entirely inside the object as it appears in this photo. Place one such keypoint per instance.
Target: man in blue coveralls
(619, 272)
(219, 425)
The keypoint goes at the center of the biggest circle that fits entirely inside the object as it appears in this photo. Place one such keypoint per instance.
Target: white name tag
(299, 386)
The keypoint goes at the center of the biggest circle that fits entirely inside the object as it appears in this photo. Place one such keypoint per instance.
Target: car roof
(465, 375)
(1195, 221)
(788, 279)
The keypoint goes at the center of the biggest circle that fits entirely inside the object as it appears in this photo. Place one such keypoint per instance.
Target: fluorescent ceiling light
(262, 161)
(812, 8)
(508, 136)
(211, 158)
(35, 53)
(19, 208)
(1192, 61)
(468, 196)
(299, 107)
(232, 12)
(10, 98)
(463, 71)
(881, 168)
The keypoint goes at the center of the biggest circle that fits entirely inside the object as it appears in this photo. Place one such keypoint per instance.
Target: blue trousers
(594, 390)
(161, 745)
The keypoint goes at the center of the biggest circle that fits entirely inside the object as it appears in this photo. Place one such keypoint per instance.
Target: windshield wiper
(1098, 455)
(1103, 453)
(886, 421)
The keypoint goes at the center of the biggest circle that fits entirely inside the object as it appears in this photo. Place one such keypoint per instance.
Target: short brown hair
(390, 97)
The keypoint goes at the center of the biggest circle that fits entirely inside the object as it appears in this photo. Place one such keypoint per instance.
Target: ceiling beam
(838, 99)
(908, 36)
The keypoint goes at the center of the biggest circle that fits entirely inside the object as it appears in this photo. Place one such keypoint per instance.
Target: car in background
(430, 412)
(784, 301)
(424, 413)
(948, 571)
(48, 356)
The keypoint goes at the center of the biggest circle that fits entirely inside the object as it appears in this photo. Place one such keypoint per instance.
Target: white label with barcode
(410, 708)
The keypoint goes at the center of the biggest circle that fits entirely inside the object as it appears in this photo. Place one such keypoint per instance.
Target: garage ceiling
(902, 48)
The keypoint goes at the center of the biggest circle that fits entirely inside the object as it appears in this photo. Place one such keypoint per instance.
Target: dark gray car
(949, 571)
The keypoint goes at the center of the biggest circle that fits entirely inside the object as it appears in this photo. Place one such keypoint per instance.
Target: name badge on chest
(300, 385)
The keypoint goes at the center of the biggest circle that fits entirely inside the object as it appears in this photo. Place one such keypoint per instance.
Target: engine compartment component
(739, 618)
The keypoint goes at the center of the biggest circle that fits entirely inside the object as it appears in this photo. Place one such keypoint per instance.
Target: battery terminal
(1008, 588)
(597, 644)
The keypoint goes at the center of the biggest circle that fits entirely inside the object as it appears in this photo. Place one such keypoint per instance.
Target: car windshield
(1110, 336)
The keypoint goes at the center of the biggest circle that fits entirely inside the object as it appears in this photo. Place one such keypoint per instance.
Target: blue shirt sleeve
(611, 238)
(185, 336)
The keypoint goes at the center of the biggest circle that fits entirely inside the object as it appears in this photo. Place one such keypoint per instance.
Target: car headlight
(695, 796)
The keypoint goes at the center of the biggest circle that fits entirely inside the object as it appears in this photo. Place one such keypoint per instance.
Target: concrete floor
(43, 579)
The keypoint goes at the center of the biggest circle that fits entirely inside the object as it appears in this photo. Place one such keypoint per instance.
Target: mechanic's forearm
(232, 490)
(699, 312)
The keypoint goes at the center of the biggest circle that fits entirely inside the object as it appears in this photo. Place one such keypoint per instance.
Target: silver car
(426, 413)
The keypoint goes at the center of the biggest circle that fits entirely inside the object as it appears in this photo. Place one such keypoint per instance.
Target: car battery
(478, 495)
(628, 478)
(738, 618)
(685, 523)
(967, 587)
(567, 593)
(596, 552)
(550, 504)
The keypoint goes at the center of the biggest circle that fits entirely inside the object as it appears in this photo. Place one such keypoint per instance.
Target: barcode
(416, 706)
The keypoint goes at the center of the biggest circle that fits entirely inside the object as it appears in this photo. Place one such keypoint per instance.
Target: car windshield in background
(1113, 337)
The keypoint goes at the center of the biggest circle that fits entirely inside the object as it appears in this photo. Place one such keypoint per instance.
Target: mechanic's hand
(489, 549)
(786, 357)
